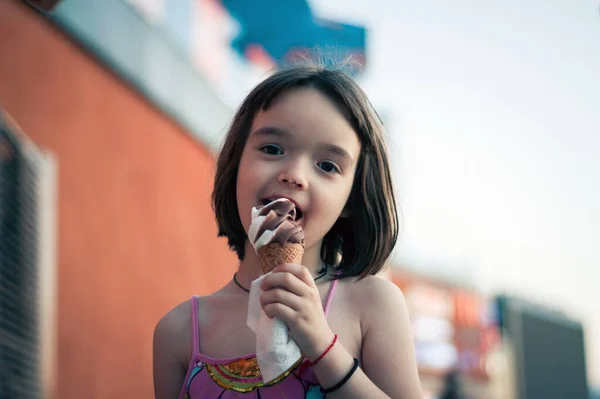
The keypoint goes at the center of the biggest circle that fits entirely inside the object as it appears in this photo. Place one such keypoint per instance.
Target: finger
(286, 281)
(280, 311)
(300, 271)
(278, 295)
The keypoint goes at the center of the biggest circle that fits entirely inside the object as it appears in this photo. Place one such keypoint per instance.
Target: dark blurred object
(452, 387)
(549, 350)
(43, 5)
(18, 316)
(22, 186)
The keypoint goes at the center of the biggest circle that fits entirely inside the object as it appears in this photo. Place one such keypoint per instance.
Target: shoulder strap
(330, 295)
(195, 334)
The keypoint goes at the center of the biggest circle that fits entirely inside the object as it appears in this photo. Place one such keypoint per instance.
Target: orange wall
(136, 232)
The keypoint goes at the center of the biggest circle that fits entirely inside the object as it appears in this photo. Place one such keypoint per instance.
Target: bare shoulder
(377, 292)
(375, 283)
(176, 318)
(375, 300)
(172, 345)
(173, 330)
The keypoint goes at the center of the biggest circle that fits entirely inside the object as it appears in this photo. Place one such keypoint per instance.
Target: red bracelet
(324, 353)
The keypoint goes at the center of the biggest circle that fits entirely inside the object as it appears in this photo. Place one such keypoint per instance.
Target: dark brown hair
(366, 237)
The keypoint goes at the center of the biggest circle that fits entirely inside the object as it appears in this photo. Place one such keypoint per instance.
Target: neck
(250, 268)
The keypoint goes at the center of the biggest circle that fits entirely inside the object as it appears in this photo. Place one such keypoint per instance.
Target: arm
(168, 368)
(387, 343)
(388, 355)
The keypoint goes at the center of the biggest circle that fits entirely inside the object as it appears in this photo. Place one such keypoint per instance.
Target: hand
(290, 294)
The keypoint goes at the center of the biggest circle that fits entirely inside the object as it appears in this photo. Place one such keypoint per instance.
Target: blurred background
(113, 112)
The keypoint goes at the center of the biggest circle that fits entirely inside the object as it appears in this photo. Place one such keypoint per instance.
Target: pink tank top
(210, 378)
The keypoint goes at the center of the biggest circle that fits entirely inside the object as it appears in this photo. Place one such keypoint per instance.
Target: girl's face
(304, 149)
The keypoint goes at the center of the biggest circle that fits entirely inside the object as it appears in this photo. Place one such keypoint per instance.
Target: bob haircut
(358, 244)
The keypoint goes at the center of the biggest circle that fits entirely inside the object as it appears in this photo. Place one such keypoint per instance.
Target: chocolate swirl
(277, 219)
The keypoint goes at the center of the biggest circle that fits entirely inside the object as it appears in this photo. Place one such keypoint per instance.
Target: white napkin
(276, 350)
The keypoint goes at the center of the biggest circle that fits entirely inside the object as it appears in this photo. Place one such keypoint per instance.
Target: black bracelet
(344, 380)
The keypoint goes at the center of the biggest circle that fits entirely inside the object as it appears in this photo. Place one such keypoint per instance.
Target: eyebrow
(334, 149)
(282, 133)
(272, 131)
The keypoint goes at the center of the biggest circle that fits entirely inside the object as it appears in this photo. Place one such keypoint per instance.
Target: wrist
(332, 369)
(321, 348)
(323, 354)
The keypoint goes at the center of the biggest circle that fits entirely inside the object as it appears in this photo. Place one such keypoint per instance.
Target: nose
(293, 177)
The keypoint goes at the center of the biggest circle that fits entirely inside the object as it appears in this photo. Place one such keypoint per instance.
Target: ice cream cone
(274, 254)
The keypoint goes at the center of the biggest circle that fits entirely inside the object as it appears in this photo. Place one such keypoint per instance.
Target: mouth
(299, 213)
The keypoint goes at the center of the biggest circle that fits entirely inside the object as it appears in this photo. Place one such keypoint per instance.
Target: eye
(271, 149)
(328, 167)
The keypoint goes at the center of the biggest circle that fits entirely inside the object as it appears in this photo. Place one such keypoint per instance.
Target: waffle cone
(274, 254)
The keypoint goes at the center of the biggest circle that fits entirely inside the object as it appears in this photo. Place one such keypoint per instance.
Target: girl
(308, 134)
